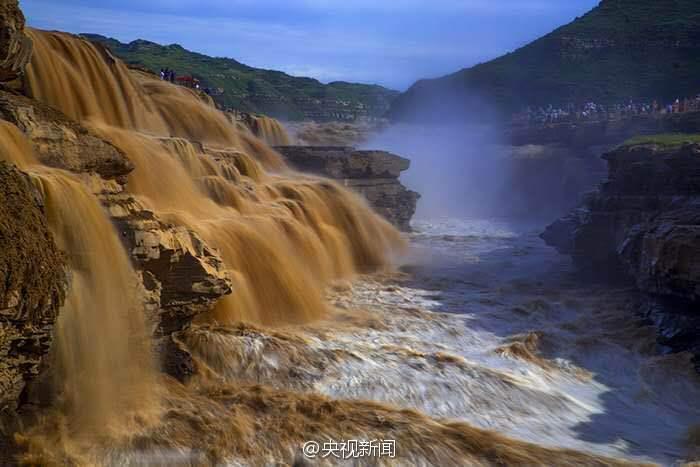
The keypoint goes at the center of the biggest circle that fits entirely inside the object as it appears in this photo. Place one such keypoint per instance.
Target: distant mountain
(620, 50)
(249, 89)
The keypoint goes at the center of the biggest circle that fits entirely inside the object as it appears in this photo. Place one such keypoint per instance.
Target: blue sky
(389, 42)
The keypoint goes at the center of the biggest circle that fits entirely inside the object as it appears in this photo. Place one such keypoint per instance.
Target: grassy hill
(622, 49)
(256, 90)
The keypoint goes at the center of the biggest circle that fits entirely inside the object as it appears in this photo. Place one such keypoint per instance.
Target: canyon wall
(374, 174)
(552, 165)
(644, 223)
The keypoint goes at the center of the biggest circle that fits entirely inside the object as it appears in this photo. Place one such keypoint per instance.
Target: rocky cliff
(15, 46)
(552, 165)
(33, 283)
(374, 174)
(644, 223)
(180, 273)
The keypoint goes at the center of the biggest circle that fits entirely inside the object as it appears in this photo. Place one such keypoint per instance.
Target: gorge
(182, 286)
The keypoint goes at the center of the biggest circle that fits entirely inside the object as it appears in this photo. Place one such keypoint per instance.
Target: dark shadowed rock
(174, 359)
(374, 174)
(15, 46)
(644, 221)
(32, 288)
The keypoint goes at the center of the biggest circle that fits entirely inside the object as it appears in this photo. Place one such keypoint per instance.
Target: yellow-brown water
(269, 130)
(105, 379)
(284, 238)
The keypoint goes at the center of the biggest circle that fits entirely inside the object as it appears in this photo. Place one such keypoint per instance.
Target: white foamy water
(491, 327)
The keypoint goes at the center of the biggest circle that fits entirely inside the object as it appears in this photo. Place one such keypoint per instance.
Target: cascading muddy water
(104, 373)
(283, 236)
(102, 337)
(269, 130)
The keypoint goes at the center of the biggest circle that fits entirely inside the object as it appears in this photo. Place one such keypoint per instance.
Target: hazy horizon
(366, 41)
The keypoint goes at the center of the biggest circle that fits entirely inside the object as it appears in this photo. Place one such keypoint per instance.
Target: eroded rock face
(181, 275)
(644, 221)
(63, 143)
(32, 285)
(15, 46)
(374, 174)
(180, 272)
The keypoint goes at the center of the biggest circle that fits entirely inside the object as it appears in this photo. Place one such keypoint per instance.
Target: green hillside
(620, 50)
(256, 90)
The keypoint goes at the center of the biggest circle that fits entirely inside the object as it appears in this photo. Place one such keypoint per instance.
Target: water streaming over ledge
(283, 236)
(105, 379)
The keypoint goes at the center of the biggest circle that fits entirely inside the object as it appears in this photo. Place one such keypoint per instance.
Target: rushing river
(512, 341)
(483, 327)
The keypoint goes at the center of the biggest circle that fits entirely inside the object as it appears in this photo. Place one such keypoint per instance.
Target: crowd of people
(167, 75)
(592, 111)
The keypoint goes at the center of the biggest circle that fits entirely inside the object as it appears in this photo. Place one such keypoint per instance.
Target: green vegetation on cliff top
(667, 140)
(249, 89)
(620, 50)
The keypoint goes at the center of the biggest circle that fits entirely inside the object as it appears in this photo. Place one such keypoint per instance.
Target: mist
(464, 163)
(458, 168)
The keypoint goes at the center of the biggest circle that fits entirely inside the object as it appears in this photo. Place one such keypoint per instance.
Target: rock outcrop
(15, 46)
(61, 142)
(374, 174)
(182, 274)
(32, 287)
(644, 222)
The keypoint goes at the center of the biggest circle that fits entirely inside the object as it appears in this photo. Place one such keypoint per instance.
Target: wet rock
(663, 254)
(678, 325)
(15, 46)
(178, 268)
(182, 276)
(32, 287)
(644, 221)
(174, 359)
(374, 174)
(63, 143)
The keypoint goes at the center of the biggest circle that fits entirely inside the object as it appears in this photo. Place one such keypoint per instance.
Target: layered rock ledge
(374, 174)
(644, 223)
